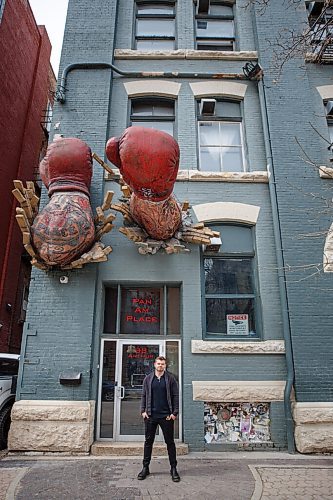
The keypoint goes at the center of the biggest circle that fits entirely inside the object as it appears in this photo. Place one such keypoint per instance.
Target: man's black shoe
(174, 475)
(144, 473)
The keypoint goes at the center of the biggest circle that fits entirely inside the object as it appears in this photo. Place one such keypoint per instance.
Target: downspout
(281, 272)
(279, 256)
(61, 90)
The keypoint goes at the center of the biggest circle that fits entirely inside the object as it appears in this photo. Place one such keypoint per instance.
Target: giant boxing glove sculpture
(65, 226)
(64, 234)
(148, 160)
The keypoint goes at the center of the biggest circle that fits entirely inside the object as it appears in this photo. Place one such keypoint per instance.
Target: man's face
(160, 365)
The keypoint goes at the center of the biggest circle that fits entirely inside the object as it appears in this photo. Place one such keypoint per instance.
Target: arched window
(231, 291)
(220, 135)
(153, 112)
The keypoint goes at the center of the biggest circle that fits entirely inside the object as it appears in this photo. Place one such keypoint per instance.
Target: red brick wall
(24, 75)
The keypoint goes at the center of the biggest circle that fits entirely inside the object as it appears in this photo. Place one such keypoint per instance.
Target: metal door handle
(122, 392)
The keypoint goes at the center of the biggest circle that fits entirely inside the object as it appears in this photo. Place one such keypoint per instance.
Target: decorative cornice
(219, 88)
(227, 211)
(230, 347)
(152, 87)
(325, 91)
(186, 54)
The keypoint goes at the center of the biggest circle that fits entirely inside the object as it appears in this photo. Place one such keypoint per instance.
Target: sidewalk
(218, 476)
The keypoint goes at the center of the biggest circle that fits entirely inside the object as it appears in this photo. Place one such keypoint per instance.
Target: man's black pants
(167, 427)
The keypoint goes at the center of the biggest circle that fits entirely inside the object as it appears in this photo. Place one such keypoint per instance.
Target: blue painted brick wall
(68, 318)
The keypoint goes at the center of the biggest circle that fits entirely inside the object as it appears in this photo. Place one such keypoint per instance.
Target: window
(155, 26)
(8, 367)
(142, 310)
(215, 27)
(329, 116)
(156, 113)
(320, 20)
(221, 137)
(230, 293)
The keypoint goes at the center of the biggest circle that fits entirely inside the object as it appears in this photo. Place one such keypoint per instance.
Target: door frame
(118, 372)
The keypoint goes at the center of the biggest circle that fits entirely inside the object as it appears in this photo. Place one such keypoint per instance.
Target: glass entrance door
(124, 364)
(136, 360)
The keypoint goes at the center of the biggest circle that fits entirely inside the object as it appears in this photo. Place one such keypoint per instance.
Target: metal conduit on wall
(61, 90)
(279, 255)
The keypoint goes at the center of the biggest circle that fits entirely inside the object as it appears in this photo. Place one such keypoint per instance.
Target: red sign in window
(140, 310)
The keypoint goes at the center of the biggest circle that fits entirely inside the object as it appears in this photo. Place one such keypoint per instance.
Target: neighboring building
(27, 81)
(241, 326)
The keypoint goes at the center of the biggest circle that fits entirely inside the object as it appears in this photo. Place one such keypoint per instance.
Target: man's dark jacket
(171, 389)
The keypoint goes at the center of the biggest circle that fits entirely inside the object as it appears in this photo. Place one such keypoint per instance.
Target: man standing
(159, 406)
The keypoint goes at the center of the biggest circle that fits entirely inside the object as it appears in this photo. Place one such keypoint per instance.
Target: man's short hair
(161, 358)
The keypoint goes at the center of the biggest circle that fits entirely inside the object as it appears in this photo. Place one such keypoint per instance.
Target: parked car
(9, 364)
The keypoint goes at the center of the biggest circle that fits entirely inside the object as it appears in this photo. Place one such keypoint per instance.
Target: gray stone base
(313, 427)
(52, 426)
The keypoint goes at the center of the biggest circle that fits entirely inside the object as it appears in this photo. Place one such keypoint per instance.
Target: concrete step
(130, 448)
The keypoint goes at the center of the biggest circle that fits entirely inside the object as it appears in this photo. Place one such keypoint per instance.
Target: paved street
(229, 476)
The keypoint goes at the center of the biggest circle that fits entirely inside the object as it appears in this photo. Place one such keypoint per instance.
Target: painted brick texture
(294, 109)
(59, 331)
(68, 318)
(23, 99)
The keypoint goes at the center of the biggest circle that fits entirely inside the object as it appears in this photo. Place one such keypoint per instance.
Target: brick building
(27, 80)
(247, 327)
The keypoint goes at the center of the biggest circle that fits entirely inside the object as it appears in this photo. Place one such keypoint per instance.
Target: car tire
(4, 426)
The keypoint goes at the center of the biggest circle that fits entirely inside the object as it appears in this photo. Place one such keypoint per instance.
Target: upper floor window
(220, 136)
(155, 26)
(321, 25)
(156, 113)
(329, 116)
(215, 26)
(230, 287)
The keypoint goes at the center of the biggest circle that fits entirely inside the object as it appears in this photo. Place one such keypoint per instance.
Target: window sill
(186, 54)
(237, 347)
(238, 390)
(199, 176)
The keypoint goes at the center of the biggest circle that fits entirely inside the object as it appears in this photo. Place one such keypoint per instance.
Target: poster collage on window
(236, 422)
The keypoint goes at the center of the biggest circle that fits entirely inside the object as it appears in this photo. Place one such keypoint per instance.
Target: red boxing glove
(67, 166)
(148, 160)
(64, 228)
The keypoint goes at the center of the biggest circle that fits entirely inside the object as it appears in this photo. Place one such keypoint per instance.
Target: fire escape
(321, 31)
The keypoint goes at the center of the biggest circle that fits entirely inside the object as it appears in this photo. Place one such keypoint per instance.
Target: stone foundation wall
(52, 426)
(313, 427)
